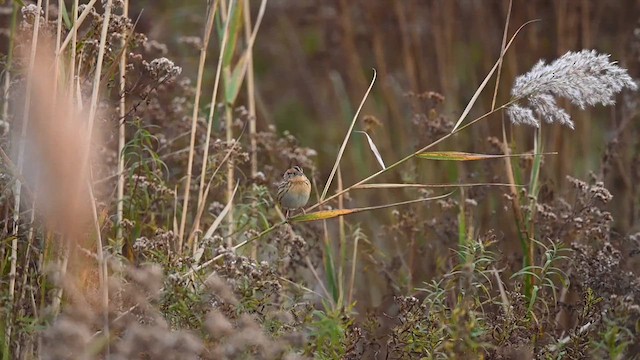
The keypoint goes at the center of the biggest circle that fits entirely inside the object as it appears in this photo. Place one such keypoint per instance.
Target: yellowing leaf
(328, 214)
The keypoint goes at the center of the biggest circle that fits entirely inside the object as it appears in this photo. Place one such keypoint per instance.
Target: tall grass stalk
(503, 46)
(7, 72)
(251, 105)
(342, 249)
(354, 258)
(515, 196)
(230, 172)
(73, 33)
(121, 135)
(74, 43)
(102, 265)
(20, 165)
(212, 106)
(228, 116)
(462, 228)
(534, 188)
(56, 63)
(327, 255)
(202, 205)
(194, 121)
(251, 98)
(233, 77)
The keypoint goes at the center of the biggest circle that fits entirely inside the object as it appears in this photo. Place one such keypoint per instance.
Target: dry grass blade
(197, 253)
(374, 149)
(425, 186)
(502, 49)
(486, 79)
(192, 241)
(224, 212)
(346, 139)
(506, 306)
(464, 156)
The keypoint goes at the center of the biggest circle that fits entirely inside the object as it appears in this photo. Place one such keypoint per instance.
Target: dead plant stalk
(194, 122)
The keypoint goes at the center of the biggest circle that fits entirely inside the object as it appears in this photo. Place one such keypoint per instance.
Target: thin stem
(74, 43)
(56, 66)
(230, 172)
(121, 135)
(353, 270)
(102, 265)
(251, 99)
(342, 250)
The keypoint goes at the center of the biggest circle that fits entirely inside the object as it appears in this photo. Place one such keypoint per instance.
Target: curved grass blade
(222, 214)
(329, 214)
(465, 156)
(374, 149)
(346, 138)
(486, 79)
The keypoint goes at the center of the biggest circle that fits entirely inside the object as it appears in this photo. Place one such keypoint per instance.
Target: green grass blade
(235, 20)
(65, 16)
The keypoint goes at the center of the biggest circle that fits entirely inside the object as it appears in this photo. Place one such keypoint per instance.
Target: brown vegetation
(142, 149)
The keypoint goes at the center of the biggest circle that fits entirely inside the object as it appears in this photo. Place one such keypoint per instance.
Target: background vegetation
(139, 171)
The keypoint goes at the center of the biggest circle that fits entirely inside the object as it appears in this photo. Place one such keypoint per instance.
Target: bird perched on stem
(294, 190)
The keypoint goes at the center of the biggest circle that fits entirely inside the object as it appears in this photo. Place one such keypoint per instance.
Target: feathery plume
(585, 78)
